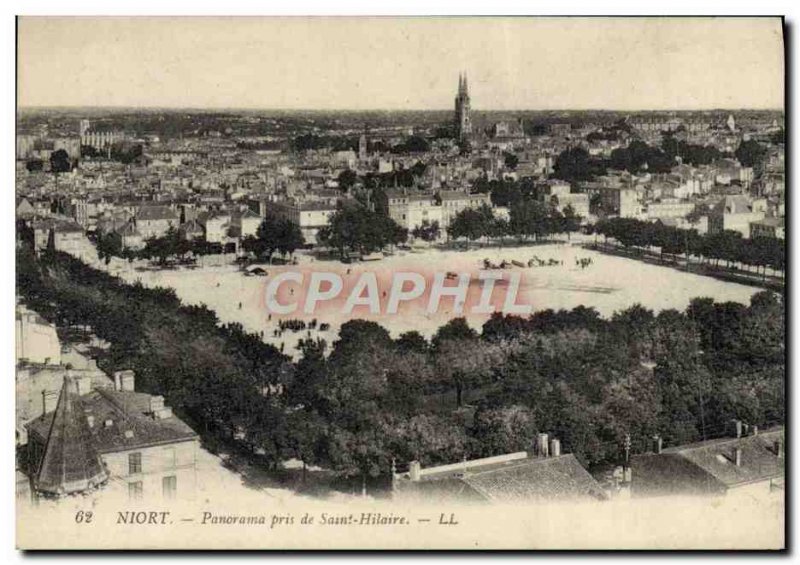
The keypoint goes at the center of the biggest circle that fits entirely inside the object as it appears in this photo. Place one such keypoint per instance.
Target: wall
(177, 459)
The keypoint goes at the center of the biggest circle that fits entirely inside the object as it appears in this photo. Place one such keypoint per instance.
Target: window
(135, 490)
(134, 463)
(170, 461)
(169, 486)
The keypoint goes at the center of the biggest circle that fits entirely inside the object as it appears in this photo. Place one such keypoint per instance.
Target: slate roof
(130, 428)
(734, 204)
(544, 479)
(758, 459)
(148, 213)
(520, 479)
(60, 225)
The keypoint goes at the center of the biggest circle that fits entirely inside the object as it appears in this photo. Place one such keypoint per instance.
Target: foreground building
(113, 438)
(522, 477)
(752, 464)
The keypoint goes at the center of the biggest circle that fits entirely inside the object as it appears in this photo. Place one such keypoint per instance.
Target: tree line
(274, 235)
(368, 399)
(574, 164)
(728, 246)
(528, 218)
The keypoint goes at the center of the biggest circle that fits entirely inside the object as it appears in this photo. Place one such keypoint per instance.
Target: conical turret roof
(70, 463)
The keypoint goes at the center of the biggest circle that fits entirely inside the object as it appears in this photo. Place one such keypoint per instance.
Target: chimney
(658, 443)
(737, 428)
(84, 385)
(156, 403)
(49, 401)
(124, 381)
(541, 444)
(737, 456)
(555, 447)
(414, 471)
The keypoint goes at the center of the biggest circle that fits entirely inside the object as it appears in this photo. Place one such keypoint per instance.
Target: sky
(401, 63)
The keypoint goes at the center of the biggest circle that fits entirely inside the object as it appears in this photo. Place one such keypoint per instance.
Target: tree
(60, 162)
(570, 221)
(274, 234)
(574, 164)
(529, 218)
(510, 160)
(427, 231)
(347, 178)
(109, 245)
(502, 430)
(472, 223)
(356, 228)
(305, 431)
(750, 153)
(34, 165)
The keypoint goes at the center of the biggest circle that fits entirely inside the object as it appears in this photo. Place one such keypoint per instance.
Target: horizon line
(307, 109)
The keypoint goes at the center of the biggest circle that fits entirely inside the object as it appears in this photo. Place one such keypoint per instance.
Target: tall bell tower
(463, 122)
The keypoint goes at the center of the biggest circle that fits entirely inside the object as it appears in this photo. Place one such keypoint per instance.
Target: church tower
(462, 120)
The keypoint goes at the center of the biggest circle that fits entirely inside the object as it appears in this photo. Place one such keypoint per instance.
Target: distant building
(61, 234)
(463, 121)
(731, 123)
(769, 227)
(410, 208)
(508, 130)
(215, 225)
(155, 221)
(752, 463)
(36, 339)
(245, 223)
(559, 129)
(736, 213)
(362, 148)
(668, 208)
(310, 216)
(455, 201)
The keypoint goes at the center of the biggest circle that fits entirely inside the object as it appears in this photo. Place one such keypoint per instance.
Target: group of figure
(536, 262)
(583, 262)
(298, 326)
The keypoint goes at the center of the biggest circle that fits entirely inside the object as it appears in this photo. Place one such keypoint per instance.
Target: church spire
(466, 88)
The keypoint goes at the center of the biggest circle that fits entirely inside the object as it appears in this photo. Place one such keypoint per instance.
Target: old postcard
(400, 283)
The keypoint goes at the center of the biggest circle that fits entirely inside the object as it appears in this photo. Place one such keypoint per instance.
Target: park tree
(472, 223)
(109, 245)
(427, 231)
(356, 228)
(274, 234)
(497, 431)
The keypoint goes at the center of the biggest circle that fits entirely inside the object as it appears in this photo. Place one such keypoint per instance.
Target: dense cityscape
(653, 243)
